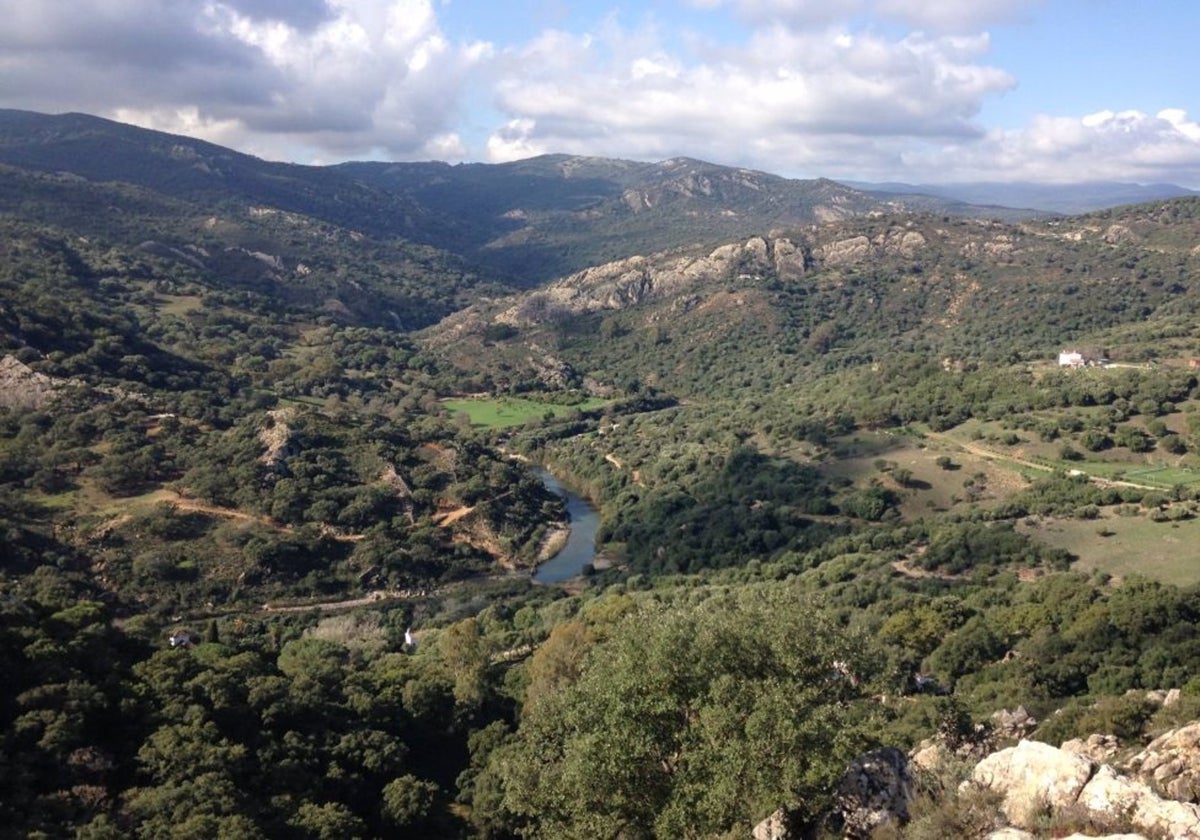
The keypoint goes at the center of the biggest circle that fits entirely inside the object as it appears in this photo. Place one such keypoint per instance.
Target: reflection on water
(581, 545)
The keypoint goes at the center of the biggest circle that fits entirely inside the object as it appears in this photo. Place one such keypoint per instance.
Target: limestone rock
(1009, 833)
(791, 261)
(1033, 776)
(875, 790)
(628, 282)
(1171, 763)
(1111, 794)
(1012, 725)
(846, 251)
(1099, 748)
(778, 826)
(22, 387)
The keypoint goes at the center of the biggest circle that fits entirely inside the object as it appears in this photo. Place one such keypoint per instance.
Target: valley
(829, 448)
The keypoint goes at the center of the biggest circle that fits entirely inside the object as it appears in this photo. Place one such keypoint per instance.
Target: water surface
(581, 545)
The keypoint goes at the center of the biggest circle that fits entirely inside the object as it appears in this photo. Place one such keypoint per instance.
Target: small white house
(1083, 357)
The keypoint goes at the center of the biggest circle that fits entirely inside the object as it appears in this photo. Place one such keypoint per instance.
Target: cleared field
(1165, 551)
(1168, 476)
(505, 412)
(970, 478)
(179, 305)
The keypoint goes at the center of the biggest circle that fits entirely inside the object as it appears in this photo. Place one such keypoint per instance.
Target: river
(581, 544)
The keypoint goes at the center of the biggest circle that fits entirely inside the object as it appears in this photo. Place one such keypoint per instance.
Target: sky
(921, 91)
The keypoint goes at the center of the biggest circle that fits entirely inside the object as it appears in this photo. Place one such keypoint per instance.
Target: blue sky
(911, 90)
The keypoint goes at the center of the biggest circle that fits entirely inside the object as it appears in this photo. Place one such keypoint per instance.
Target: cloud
(1114, 145)
(938, 15)
(801, 94)
(856, 89)
(337, 77)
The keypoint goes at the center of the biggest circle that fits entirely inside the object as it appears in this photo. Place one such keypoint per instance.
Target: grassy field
(178, 305)
(930, 487)
(1165, 551)
(505, 412)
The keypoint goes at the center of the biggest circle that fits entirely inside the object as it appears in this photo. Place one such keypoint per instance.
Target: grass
(931, 488)
(178, 305)
(1134, 545)
(506, 412)
(1167, 476)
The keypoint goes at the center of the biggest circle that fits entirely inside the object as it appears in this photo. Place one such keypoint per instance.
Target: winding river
(581, 544)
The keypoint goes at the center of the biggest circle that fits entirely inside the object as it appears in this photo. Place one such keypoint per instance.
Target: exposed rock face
(1012, 725)
(23, 387)
(1098, 748)
(628, 282)
(846, 251)
(1033, 776)
(856, 249)
(778, 826)
(276, 438)
(875, 790)
(791, 261)
(1111, 794)
(1171, 763)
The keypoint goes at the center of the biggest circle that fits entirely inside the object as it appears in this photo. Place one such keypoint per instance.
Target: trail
(995, 456)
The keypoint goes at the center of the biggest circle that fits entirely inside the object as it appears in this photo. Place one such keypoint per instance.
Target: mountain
(525, 222)
(269, 506)
(550, 215)
(1046, 198)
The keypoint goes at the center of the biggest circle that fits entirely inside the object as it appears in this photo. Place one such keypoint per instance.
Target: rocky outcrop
(1110, 795)
(22, 387)
(875, 790)
(1097, 748)
(1170, 763)
(1012, 725)
(629, 282)
(779, 826)
(1037, 779)
(857, 249)
(1033, 777)
(276, 437)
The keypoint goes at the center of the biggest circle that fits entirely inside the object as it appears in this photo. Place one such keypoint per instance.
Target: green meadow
(505, 412)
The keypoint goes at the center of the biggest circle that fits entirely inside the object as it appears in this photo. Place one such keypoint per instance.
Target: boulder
(875, 790)
(1099, 748)
(1012, 725)
(1171, 763)
(778, 826)
(1033, 777)
(1111, 795)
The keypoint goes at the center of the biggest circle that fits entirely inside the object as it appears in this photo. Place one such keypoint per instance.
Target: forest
(269, 509)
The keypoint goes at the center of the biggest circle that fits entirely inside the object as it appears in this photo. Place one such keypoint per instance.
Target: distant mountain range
(524, 223)
(1067, 199)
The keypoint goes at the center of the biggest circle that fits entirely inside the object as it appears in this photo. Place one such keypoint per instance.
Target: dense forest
(267, 441)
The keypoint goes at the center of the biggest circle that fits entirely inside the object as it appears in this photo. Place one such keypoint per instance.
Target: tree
(694, 720)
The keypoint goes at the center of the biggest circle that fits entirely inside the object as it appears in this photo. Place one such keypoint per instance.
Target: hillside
(268, 505)
(526, 222)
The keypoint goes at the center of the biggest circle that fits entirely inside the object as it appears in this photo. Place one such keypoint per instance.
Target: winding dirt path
(1000, 457)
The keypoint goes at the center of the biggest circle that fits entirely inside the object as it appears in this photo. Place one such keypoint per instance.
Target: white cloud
(800, 93)
(954, 15)
(870, 89)
(939, 15)
(326, 79)
(513, 141)
(1124, 145)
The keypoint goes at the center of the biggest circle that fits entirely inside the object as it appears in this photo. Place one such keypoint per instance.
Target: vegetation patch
(1127, 545)
(505, 412)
